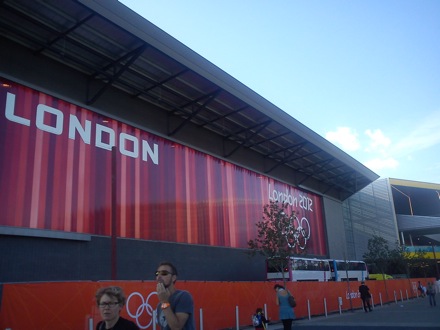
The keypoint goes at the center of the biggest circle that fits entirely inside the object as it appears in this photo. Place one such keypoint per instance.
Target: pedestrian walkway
(410, 314)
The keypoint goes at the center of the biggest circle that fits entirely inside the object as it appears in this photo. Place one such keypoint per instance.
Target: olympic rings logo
(143, 308)
(298, 233)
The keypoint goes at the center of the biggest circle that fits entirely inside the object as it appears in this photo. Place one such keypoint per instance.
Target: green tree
(418, 263)
(398, 263)
(277, 237)
(378, 256)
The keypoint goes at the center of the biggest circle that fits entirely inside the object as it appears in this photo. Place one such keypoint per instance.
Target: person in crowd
(110, 301)
(262, 321)
(421, 291)
(286, 314)
(176, 307)
(365, 296)
(431, 294)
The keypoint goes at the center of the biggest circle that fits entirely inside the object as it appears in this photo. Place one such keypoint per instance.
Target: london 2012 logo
(298, 233)
(140, 309)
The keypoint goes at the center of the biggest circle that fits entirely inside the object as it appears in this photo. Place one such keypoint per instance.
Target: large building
(121, 147)
(401, 211)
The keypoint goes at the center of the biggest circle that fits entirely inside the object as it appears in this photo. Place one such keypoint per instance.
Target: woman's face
(109, 308)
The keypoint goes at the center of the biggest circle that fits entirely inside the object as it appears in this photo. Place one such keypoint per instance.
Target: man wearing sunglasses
(176, 307)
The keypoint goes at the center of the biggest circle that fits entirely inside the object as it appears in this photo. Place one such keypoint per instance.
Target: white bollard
(201, 319)
(325, 307)
(340, 304)
(308, 308)
(401, 296)
(380, 297)
(90, 324)
(237, 325)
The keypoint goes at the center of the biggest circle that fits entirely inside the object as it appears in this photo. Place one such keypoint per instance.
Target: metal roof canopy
(115, 47)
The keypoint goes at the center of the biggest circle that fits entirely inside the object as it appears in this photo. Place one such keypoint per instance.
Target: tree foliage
(398, 263)
(384, 260)
(418, 263)
(380, 256)
(378, 252)
(277, 238)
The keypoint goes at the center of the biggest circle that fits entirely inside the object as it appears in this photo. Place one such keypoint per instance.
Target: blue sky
(363, 74)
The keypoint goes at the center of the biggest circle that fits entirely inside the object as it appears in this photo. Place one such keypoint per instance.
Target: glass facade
(367, 213)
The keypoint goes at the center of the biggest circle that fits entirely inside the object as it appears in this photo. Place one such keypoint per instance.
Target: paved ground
(412, 314)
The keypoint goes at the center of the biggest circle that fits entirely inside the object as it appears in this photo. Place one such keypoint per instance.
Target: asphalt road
(409, 314)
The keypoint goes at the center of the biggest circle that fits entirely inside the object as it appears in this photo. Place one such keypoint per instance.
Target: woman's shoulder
(282, 292)
(127, 324)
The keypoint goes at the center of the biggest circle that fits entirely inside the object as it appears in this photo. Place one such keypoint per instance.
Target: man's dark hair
(169, 264)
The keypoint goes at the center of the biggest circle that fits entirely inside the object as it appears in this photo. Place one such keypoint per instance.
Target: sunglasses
(163, 273)
(108, 304)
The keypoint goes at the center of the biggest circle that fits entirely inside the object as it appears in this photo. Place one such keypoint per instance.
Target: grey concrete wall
(334, 220)
(29, 259)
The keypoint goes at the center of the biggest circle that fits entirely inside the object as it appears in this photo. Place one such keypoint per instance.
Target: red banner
(57, 171)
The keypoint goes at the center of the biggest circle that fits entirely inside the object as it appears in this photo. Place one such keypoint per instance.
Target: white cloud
(378, 146)
(425, 135)
(378, 141)
(378, 164)
(384, 152)
(344, 137)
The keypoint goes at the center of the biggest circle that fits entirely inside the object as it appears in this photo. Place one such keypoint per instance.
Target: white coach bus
(321, 270)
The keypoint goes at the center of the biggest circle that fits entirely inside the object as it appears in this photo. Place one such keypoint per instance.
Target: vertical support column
(113, 219)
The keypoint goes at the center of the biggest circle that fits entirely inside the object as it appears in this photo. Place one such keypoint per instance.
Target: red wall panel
(56, 173)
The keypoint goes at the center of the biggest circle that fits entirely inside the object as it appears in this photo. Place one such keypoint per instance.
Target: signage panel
(58, 161)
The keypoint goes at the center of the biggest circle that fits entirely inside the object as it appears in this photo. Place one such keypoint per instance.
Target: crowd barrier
(218, 305)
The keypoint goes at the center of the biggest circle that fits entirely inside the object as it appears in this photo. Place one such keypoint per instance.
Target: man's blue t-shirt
(180, 302)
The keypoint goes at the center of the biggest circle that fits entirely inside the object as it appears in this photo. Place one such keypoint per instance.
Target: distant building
(403, 211)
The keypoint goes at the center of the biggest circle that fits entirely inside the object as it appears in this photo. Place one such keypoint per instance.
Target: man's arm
(175, 321)
(183, 308)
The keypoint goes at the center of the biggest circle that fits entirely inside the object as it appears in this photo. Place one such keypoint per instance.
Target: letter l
(10, 108)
